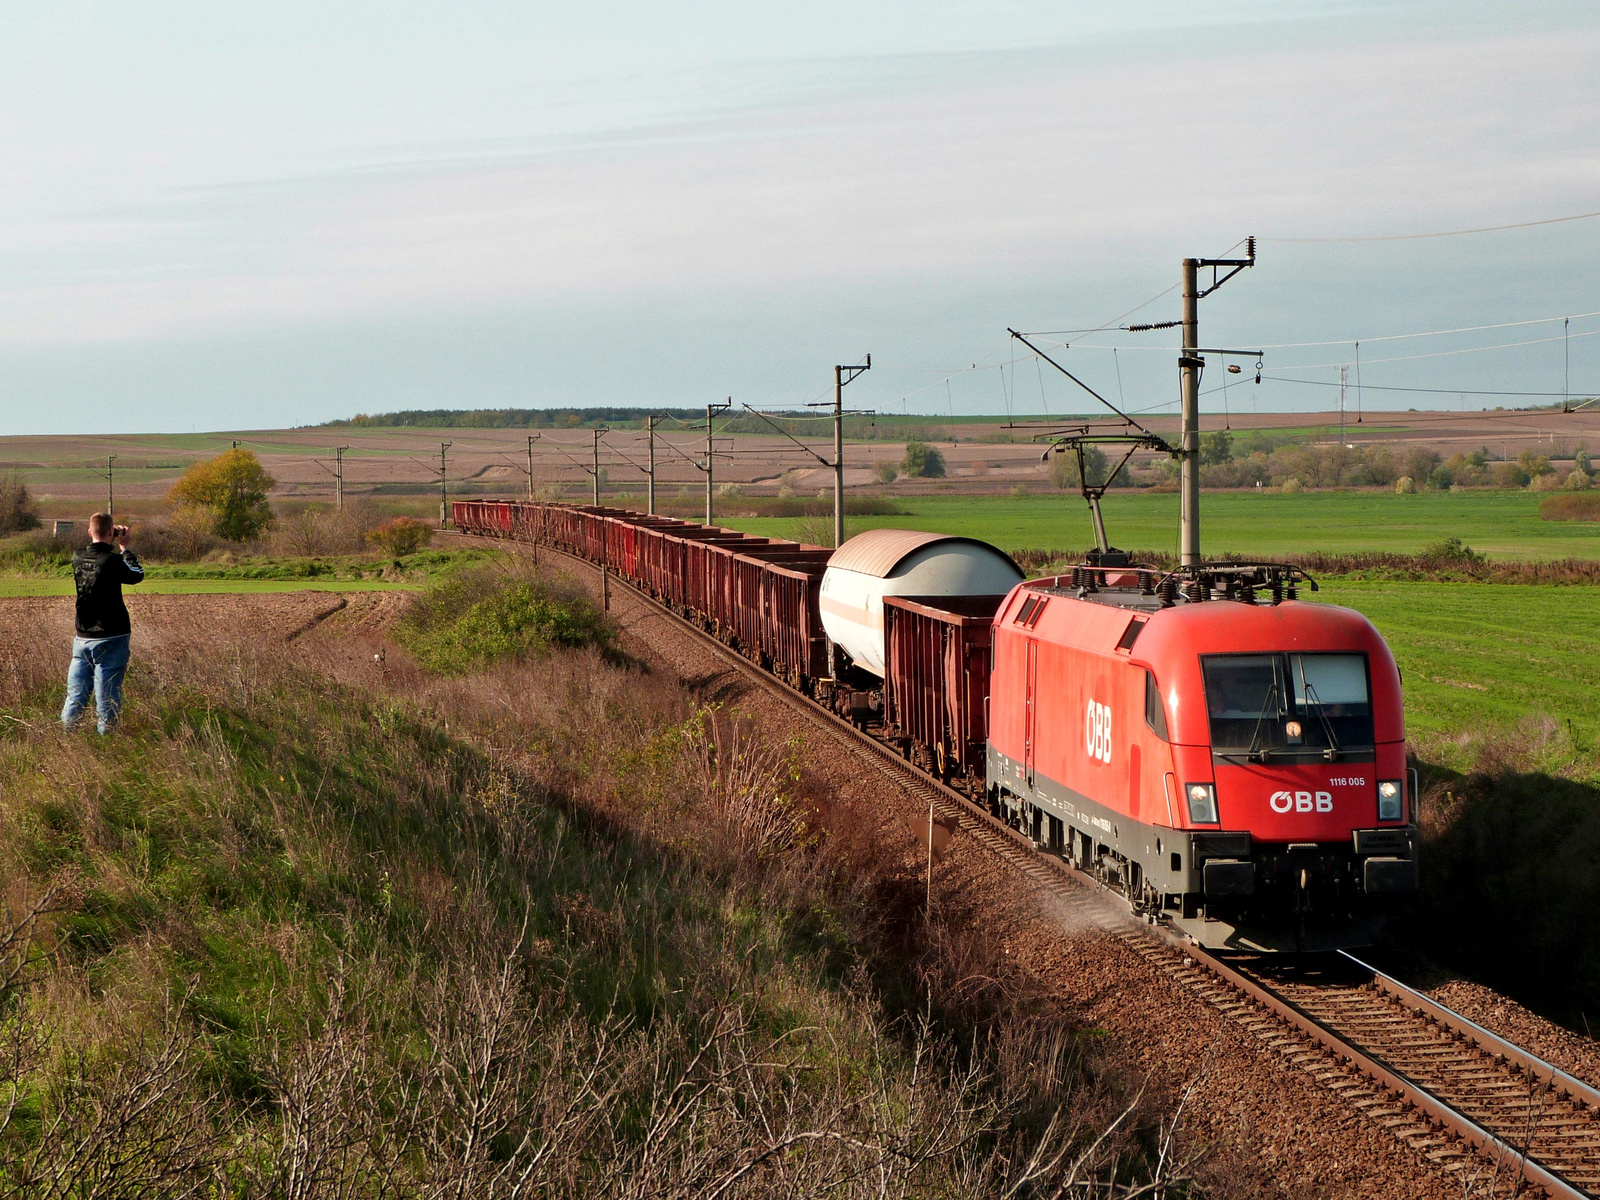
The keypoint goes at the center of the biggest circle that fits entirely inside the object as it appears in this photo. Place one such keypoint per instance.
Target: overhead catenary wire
(1413, 237)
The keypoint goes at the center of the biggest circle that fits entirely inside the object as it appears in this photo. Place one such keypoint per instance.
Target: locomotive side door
(1030, 711)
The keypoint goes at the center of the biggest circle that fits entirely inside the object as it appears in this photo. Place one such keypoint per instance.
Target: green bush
(401, 536)
(922, 461)
(1451, 549)
(17, 509)
(487, 616)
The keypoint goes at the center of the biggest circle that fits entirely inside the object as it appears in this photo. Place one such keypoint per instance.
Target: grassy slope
(1501, 524)
(261, 844)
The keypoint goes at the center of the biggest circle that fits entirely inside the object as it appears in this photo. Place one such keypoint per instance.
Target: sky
(238, 216)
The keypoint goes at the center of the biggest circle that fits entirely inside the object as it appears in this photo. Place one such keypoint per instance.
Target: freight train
(1229, 757)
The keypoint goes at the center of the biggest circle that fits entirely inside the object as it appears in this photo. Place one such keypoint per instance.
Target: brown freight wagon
(683, 566)
(936, 679)
(727, 562)
(743, 600)
(792, 636)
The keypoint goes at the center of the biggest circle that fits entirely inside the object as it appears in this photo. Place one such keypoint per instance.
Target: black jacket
(100, 571)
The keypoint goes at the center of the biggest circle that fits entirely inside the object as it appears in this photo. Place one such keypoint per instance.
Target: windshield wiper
(1334, 748)
(1255, 735)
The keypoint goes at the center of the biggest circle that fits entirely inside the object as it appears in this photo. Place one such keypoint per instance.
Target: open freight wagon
(936, 683)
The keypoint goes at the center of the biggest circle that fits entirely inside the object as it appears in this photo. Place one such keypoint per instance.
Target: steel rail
(1060, 876)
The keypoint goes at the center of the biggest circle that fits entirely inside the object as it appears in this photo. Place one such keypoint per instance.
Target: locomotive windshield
(1288, 702)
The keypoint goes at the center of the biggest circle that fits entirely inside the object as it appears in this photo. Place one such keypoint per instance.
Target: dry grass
(557, 928)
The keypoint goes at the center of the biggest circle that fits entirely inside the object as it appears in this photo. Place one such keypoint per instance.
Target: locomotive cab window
(1155, 713)
(1288, 703)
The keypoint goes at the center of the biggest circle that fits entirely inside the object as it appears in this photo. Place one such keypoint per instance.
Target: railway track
(1480, 1107)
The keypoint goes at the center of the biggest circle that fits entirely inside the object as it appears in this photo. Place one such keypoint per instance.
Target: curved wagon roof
(878, 552)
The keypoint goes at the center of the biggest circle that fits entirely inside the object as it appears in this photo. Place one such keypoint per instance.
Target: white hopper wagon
(902, 562)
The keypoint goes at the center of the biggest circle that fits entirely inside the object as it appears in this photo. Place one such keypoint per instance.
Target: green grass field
(1481, 655)
(1501, 524)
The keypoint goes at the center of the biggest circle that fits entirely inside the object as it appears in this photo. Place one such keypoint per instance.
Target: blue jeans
(97, 664)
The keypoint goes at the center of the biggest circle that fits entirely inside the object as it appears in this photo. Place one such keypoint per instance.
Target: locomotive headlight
(1292, 730)
(1202, 803)
(1389, 798)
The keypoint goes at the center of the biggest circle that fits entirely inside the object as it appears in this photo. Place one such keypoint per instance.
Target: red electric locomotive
(1230, 757)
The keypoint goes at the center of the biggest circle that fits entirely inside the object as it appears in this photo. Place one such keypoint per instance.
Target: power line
(1411, 237)
(1444, 391)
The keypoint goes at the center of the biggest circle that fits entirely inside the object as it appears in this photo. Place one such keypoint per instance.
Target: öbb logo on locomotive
(1305, 802)
(1258, 799)
(1097, 731)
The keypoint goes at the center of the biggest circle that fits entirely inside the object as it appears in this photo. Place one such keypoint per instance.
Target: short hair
(100, 525)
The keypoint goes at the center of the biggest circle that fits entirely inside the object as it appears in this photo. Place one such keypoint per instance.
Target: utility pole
(840, 379)
(338, 476)
(711, 411)
(1344, 378)
(111, 499)
(650, 498)
(444, 491)
(531, 440)
(1189, 366)
(594, 474)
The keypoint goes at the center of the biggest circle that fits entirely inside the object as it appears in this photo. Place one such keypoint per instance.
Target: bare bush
(183, 536)
(746, 781)
(139, 1121)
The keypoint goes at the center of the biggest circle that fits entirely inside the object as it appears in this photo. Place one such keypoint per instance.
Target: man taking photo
(100, 649)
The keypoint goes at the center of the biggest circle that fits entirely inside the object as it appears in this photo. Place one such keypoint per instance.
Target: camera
(119, 531)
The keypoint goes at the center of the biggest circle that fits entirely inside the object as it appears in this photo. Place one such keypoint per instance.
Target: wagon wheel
(944, 766)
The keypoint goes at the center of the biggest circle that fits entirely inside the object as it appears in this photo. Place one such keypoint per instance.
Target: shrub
(184, 536)
(1418, 462)
(1440, 479)
(1534, 463)
(1405, 486)
(922, 461)
(885, 471)
(1292, 485)
(401, 536)
(232, 490)
(1550, 482)
(1579, 481)
(1571, 506)
(38, 550)
(1451, 549)
(487, 616)
(1510, 475)
(17, 509)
